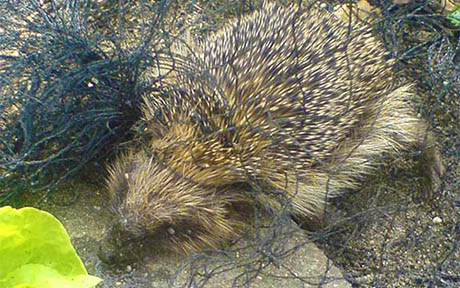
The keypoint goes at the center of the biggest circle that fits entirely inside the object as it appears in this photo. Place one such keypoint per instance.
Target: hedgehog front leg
(306, 191)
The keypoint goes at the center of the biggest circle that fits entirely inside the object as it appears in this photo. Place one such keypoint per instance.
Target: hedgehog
(287, 100)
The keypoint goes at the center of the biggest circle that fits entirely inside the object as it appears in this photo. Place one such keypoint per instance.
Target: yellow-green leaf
(36, 252)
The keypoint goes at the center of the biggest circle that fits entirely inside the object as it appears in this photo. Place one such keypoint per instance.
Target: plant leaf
(37, 252)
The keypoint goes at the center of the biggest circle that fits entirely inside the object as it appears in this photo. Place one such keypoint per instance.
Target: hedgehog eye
(189, 232)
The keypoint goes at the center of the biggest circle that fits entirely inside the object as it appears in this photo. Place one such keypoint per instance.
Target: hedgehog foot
(431, 166)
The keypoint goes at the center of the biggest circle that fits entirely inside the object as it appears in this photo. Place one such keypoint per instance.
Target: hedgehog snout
(117, 247)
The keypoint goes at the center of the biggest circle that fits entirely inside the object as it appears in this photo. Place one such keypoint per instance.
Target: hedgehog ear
(154, 116)
(156, 130)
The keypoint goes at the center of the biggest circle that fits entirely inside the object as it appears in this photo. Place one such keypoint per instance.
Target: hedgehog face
(159, 210)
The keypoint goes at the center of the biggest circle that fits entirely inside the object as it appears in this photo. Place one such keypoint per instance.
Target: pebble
(437, 220)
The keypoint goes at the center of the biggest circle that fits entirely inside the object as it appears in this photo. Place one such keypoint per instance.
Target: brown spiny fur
(291, 100)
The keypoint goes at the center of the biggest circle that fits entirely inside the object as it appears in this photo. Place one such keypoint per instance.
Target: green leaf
(36, 252)
(454, 16)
